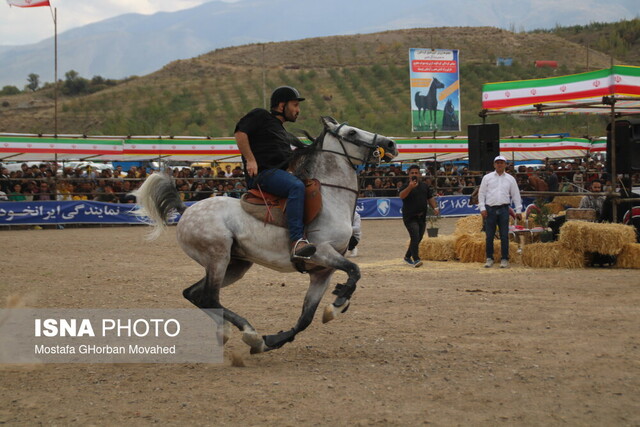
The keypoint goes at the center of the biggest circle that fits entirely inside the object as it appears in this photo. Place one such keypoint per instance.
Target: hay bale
(606, 239)
(439, 248)
(555, 208)
(552, 255)
(471, 224)
(568, 201)
(629, 256)
(472, 248)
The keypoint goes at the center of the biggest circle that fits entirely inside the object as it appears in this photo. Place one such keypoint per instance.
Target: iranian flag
(28, 3)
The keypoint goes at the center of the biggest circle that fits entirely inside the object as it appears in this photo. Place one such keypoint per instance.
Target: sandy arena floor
(445, 344)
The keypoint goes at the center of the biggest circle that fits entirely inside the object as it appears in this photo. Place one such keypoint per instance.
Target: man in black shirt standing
(416, 196)
(266, 151)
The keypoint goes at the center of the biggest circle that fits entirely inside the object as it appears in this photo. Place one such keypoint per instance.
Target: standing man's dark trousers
(497, 215)
(416, 227)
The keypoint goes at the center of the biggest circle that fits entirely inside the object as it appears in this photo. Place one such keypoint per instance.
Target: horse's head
(359, 145)
(437, 84)
(449, 106)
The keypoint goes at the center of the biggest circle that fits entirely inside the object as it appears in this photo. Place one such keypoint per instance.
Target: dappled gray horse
(219, 235)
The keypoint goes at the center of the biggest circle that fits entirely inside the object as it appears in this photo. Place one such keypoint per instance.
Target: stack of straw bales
(578, 239)
(467, 244)
(606, 239)
(550, 255)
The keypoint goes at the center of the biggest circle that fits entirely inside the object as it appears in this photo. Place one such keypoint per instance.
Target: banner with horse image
(435, 90)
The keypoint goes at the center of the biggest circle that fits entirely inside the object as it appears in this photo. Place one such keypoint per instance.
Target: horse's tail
(157, 198)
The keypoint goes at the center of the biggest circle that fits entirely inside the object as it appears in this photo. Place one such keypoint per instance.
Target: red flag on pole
(28, 3)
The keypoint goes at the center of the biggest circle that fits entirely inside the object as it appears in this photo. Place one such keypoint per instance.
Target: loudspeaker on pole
(627, 146)
(484, 146)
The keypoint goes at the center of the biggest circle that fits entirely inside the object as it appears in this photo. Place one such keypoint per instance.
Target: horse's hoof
(255, 341)
(331, 311)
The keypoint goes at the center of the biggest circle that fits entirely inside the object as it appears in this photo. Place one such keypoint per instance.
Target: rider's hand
(484, 214)
(252, 168)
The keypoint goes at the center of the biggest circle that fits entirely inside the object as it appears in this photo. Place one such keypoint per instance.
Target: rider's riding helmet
(284, 94)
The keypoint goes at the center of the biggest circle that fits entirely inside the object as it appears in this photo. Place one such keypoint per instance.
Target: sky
(20, 26)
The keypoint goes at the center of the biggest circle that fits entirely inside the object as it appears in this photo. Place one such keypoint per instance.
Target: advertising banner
(87, 212)
(435, 90)
(391, 207)
(72, 212)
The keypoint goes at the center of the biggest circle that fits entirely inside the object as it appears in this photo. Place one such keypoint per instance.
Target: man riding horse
(266, 151)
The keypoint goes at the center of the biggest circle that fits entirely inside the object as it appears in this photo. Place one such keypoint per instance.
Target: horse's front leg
(342, 291)
(327, 256)
(319, 281)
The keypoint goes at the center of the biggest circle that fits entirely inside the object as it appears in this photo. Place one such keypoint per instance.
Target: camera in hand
(414, 178)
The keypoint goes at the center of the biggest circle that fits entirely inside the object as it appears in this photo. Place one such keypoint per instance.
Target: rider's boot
(302, 249)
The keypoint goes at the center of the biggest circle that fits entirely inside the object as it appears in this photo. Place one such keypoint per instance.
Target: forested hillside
(619, 39)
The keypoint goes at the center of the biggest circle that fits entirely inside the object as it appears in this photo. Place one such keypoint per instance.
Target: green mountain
(362, 79)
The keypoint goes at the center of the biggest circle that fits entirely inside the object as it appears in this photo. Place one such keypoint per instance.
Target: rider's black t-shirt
(268, 139)
(415, 204)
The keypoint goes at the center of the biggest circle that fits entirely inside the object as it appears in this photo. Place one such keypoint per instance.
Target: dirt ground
(445, 344)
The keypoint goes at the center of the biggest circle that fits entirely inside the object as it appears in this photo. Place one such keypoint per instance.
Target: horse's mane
(305, 155)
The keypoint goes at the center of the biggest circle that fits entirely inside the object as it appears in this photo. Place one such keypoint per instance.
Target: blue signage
(392, 207)
(89, 212)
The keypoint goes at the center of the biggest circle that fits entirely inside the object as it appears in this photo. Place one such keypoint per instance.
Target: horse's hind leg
(205, 293)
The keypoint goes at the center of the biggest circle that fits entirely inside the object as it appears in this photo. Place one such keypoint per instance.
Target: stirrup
(305, 252)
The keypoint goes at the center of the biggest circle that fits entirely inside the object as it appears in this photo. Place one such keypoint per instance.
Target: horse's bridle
(373, 151)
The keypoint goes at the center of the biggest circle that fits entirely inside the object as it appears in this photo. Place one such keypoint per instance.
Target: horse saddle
(271, 209)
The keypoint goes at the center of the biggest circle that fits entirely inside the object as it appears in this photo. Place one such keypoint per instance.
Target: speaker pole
(614, 172)
(435, 173)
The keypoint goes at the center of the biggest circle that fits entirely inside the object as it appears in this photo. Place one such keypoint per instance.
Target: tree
(34, 82)
(9, 90)
(74, 84)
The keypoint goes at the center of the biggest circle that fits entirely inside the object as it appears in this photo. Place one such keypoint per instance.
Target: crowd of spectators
(48, 181)
(449, 179)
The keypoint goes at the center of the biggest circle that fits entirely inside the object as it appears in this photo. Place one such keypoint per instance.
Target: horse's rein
(340, 187)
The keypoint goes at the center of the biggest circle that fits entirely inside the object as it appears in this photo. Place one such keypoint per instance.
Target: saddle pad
(253, 204)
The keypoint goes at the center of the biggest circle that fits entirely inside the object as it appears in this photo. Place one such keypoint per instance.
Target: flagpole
(54, 14)
(55, 71)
